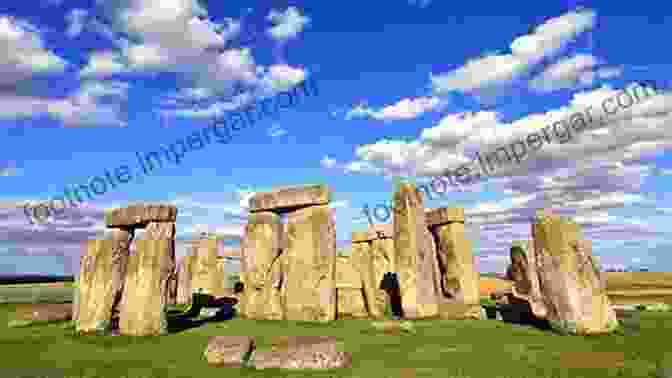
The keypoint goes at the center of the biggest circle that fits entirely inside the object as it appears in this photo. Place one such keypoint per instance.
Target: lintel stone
(288, 199)
(139, 215)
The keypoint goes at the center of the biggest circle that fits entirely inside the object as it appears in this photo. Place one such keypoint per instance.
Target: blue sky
(407, 89)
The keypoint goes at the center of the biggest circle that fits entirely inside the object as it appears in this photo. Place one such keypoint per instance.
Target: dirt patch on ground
(43, 312)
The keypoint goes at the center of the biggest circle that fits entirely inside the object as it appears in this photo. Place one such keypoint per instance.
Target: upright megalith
(458, 276)
(416, 262)
(261, 270)
(382, 250)
(96, 296)
(574, 293)
(121, 249)
(301, 257)
(184, 275)
(144, 304)
(310, 290)
(349, 291)
(362, 261)
(525, 276)
(205, 279)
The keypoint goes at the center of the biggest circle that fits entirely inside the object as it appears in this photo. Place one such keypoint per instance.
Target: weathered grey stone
(310, 290)
(184, 275)
(143, 306)
(362, 260)
(523, 272)
(415, 260)
(459, 279)
(261, 268)
(444, 215)
(349, 292)
(159, 230)
(229, 351)
(140, 215)
(304, 352)
(95, 286)
(382, 250)
(573, 291)
(288, 199)
(204, 269)
(121, 249)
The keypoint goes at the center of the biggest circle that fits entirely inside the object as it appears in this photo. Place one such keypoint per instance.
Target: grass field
(439, 348)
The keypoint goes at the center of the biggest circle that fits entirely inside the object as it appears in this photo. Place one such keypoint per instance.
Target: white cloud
(526, 51)
(328, 162)
(405, 109)
(576, 71)
(22, 52)
(103, 63)
(288, 24)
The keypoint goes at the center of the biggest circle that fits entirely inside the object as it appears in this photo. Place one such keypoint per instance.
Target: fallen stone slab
(140, 215)
(288, 199)
(229, 351)
(303, 352)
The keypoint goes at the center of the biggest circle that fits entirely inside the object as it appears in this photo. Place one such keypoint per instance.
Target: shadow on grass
(179, 322)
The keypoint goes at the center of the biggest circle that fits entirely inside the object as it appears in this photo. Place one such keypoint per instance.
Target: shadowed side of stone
(288, 199)
(139, 215)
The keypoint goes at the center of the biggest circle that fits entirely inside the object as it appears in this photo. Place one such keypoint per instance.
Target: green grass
(438, 348)
(35, 294)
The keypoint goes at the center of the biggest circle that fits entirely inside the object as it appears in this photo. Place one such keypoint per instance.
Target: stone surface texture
(310, 290)
(362, 260)
(415, 261)
(349, 293)
(459, 281)
(143, 306)
(382, 250)
(304, 352)
(525, 276)
(444, 215)
(95, 297)
(159, 230)
(261, 268)
(184, 275)
(204, 273)
(288, 199)
(229, 351)
(570, 282)
(139, 215)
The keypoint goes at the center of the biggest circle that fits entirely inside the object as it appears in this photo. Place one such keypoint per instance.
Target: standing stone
(310, 293)
(96, 294)
(349, 293)
(184, 274)
(382, 249)
(204, 278)
(570, 281)
(362, 261)
(415, 261)
(261, 270)
(459, 282)
(523, 272)
(143, 309)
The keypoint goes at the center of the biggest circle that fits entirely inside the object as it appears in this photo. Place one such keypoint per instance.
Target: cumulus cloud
(405, 109)
(23, 53)
(76, 19)
(527, 50)
(103, 63)
(288, 24)
(577, 71)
